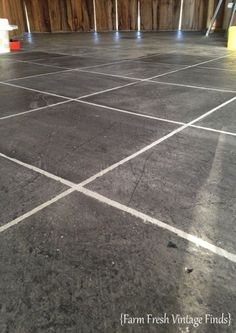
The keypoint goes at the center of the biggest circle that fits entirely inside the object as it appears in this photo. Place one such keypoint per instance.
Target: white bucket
(4, 35)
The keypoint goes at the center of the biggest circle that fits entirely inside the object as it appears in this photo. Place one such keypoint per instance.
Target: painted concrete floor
(118, 184)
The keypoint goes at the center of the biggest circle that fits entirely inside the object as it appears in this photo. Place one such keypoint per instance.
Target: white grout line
(188, 67)
(38, 75)
(35, 210)
(110, 89)
(34, 110)
(130, 112)
(191, 86)
(36, 90)
(39, 64)
(153, 144)
(38, 170)
(218, 69)
(214, 130)
(112, 75)
(148, 219)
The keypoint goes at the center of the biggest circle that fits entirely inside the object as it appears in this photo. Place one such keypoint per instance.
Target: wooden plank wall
(128, 14)
(159, 14)
(194, 15)
(105, 15)
(13, 10)
(78, 15)
(60, 15)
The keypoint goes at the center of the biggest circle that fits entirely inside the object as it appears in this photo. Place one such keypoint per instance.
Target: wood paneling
(194, 14)
(227, 13)
(128, 14)
(38, 12)
(106, 15)
(60, 15)
(159, 14)
(13, 10)
(80, 15)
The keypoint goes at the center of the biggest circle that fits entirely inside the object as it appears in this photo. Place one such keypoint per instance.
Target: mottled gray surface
(135, 69)
(165, 101)
(22, 189)
(224, 119)
(15, 100)
(75, 140)
(203, 77)
(13, 70)
(72, 84)
(186, 181)
(76, 265)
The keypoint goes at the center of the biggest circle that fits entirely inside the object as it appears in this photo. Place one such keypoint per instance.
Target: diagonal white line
(35, 210)
(38, 170)
(192, 86)
(148, 219)
(33, 110)
(36, 90)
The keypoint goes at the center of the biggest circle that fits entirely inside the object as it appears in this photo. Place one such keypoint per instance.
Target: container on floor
(232, 38)
(4, 35)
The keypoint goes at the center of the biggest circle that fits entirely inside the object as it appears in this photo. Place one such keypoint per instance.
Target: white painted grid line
(214, 130)
(38, 75)
(38, 170)
(112, 75)
(219, 69)
(36, 90)
(34, 110)
(130, 112)
(193, 87)
(35, 210)
(109, 89)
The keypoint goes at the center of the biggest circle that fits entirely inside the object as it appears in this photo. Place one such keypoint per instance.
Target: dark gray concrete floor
(70, 263)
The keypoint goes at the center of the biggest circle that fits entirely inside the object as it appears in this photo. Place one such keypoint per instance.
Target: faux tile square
(187, 181)
(78, 262)
(203, 77)
(135, 69)
(22, 189)
(227, 63)
(72, 84)
(224, 119)
(180, 59)
(75, 140)
(30, 55)
(15, 100)
(73, 61)
(166, 101)
(10, 69)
